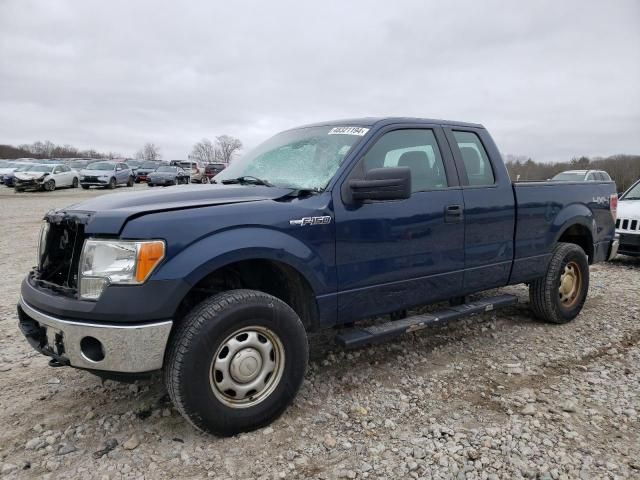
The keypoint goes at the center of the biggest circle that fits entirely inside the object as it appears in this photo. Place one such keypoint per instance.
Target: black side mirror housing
(383, 184)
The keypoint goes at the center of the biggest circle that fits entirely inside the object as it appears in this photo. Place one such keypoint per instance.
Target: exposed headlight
(42, 242)
(120, 262)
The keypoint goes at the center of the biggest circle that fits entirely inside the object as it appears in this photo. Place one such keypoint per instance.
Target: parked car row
(47, 175)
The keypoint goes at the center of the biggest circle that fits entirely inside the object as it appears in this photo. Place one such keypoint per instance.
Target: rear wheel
(74, 184)
(236, 362)
(559, 296)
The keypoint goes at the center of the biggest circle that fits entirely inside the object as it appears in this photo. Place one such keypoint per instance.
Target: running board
(358, 336)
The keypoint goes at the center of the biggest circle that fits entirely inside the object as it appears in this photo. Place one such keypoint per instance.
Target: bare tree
(204, 151)
(226, 147)
(149, 152)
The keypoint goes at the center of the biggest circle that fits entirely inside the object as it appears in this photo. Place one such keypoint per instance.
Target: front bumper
(95, 182)
(124, 348)
(629, 244)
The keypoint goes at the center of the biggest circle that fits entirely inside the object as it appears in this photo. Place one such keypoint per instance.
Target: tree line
(623, 169)
(48, 149)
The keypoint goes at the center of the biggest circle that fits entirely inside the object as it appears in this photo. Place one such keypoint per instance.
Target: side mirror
(383, 184)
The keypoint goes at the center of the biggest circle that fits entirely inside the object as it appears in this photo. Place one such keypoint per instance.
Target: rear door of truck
(489, 208)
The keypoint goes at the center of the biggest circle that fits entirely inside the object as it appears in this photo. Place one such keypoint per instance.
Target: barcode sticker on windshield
(360, 131)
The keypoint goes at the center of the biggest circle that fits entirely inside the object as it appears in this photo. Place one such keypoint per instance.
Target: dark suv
(212, 169)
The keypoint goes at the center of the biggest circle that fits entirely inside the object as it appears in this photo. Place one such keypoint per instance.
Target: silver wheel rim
(247, 367)
(205, 179)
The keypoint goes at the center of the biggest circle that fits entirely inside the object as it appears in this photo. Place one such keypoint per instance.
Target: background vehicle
(106, 174)
(8, 178)
(582, 176)
(144, 170)
(212, 169)
(45, 177)
(168, 175)
(318, 227)
(9, 167)
(81, 163)
(134, 165)
(195, 169)
(628, 222)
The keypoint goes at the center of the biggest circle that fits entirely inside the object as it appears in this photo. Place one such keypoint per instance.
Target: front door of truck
(395, 254)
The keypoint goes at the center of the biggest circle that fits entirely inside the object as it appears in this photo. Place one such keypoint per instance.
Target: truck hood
(107, 214)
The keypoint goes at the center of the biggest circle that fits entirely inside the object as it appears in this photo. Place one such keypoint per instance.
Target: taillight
(613, 206)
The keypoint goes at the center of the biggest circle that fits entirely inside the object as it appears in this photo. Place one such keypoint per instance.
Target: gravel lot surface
(494, 396)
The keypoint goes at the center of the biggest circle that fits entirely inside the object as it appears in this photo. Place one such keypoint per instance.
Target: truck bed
(543, 211)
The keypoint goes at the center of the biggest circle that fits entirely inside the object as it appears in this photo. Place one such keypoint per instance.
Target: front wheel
(130, 182)
(112, 184)
(85, 187)
(205, 179)
(236, 362)
(559, 296)
(49, 185)
(74, 184)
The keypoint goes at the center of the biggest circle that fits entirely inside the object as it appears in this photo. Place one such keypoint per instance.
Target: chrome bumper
(615, 244)
(108, 347)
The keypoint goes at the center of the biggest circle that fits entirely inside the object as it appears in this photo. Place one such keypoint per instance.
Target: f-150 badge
(304, 221)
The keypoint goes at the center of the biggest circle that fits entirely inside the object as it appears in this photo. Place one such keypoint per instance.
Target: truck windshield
(304, 158)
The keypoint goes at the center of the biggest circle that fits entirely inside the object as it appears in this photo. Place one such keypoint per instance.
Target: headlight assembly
(119, 262)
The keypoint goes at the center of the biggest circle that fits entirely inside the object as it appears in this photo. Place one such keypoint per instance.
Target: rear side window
(416, 149)
(475, 158)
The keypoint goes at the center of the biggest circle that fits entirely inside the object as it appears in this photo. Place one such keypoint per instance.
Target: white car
(628, 221)
(46, 177)
(582, 176)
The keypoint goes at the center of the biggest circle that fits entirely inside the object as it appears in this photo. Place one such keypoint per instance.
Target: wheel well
(581, 236)
(272, 277)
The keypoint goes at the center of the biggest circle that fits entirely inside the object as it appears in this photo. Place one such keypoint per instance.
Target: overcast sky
(550, 79)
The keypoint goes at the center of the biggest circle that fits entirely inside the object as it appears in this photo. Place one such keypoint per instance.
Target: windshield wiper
(247, 179)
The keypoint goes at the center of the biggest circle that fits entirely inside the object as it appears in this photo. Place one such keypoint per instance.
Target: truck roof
(370, 121)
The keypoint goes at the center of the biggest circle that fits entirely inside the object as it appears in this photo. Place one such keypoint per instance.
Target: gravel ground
(497, 395)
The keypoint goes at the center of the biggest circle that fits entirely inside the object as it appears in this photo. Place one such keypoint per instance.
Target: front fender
(223, 248)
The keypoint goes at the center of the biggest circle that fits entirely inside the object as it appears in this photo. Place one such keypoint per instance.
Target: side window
(414, 148)
(119, 166)
(65, 168)
(57, 170)
(475, 158)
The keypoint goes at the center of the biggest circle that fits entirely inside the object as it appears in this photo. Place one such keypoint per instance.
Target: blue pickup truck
(319, 227)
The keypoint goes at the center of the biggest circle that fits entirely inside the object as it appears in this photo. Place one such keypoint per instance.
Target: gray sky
(550, 79)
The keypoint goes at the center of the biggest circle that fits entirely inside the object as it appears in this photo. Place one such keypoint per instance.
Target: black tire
(550, 300)
(150, 184)
(195, 348)
(19, 190)
(204, 179)
(130, 182)
(112, 184)
(74, 184)
(137, 180)
(49, 185)
(85, 187)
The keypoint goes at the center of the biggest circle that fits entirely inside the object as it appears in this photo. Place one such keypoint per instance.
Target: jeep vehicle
(321, 226)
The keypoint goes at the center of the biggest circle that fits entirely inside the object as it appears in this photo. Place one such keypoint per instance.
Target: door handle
(453, 213)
